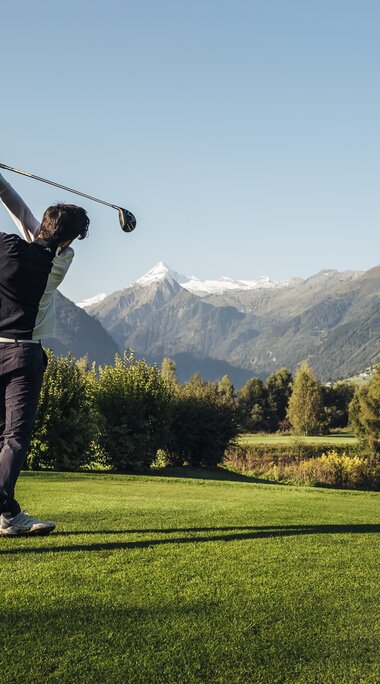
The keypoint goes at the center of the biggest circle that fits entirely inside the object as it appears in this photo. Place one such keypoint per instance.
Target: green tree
(365, 411)
(305, 409)
(279, 389)
(66, 422)
(336, 400)
(169, 371)
(354, 412)
(226, 388)
(203, 424)
(252, 406)
(134, 402)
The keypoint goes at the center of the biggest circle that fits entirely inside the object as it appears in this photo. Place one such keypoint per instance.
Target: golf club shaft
(58, 185)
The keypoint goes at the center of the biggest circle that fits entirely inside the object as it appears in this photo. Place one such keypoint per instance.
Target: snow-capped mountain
(85, 303)
(159, 272)
(201, 288)
(224, 284)
(205, 287)
(245, 327)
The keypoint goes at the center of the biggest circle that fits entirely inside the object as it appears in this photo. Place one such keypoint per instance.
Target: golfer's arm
(19, 211)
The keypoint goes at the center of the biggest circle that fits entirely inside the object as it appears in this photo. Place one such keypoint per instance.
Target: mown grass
(333, 439)
(171, 580)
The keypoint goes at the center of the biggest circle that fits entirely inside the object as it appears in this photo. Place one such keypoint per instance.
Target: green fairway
(152, 580)
(333, 439)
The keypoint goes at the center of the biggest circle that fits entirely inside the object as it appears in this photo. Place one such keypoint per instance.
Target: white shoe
(22, 524)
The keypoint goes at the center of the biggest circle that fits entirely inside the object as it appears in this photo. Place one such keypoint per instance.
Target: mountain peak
(160, 272)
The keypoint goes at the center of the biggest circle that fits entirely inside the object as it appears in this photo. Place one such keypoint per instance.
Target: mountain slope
(80, 334)
(122, 312)
(184, 324)
(331, 319)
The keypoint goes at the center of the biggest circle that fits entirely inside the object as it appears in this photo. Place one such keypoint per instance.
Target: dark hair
(62, 222)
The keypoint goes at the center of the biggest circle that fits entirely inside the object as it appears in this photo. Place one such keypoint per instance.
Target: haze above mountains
(236, 327)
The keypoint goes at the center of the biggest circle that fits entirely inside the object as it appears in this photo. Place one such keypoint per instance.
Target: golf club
(126, 218)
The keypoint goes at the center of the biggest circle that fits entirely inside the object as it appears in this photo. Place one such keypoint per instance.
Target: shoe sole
(38, 532)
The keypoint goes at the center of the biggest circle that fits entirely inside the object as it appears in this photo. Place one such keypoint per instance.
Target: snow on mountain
(159, 272)
(205, 287)
(202, 288)
(85, 303)
(225, 284)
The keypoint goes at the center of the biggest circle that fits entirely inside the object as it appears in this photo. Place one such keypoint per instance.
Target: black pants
(22, 366)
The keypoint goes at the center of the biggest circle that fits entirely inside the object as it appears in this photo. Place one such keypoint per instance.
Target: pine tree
(305, 410)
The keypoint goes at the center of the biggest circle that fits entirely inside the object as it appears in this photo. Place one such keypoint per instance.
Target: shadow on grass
(216, 473)
(180, 472)
(243, 534)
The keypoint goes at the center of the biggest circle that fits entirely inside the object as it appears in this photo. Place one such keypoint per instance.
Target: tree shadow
(244, 534)
(179, 472)
(211, 473)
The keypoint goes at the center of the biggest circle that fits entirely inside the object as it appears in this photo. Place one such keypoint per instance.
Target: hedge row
(118, 417)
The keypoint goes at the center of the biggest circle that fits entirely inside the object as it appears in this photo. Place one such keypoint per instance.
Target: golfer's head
(62, 223)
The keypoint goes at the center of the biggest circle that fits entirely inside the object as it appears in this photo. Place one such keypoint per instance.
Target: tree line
(122, 416)
(300, 404)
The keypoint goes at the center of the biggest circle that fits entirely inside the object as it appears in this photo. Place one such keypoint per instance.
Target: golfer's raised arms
(19, 211)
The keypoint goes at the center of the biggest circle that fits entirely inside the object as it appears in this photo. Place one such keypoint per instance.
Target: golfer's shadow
(215, 534)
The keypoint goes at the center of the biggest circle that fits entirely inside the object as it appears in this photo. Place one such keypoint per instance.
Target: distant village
(362, 376)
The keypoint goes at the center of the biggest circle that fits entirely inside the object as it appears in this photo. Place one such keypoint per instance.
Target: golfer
(31, 269)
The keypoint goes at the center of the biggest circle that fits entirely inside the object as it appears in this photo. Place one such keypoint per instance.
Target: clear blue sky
(244, 134)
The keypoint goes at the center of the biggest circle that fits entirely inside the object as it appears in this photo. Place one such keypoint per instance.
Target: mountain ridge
(330, 319)
(194, 284)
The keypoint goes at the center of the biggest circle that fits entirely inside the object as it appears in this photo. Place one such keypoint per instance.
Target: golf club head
(127, 220)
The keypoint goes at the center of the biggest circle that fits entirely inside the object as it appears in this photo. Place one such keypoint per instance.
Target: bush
(203, 424)
(134, 402)
(335, 468)
(260, 457)
(66, 422)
